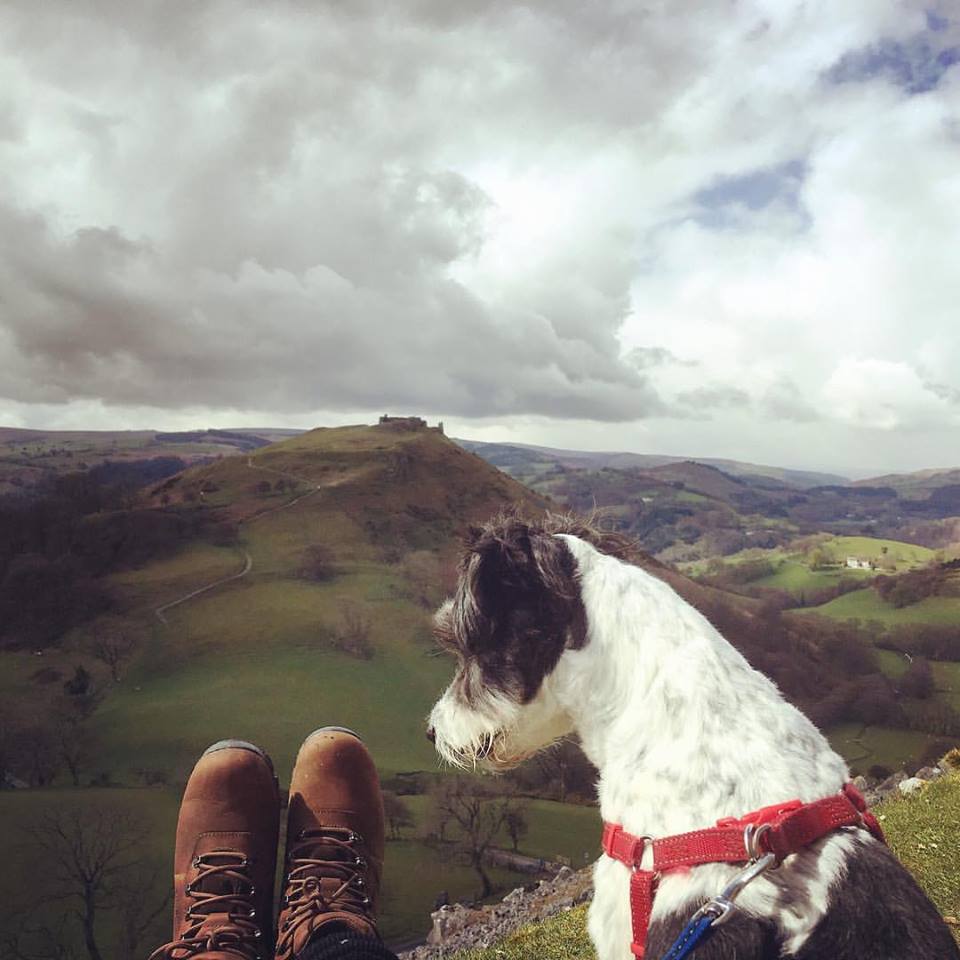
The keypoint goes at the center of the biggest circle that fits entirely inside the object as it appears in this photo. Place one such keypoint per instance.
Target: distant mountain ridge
(506, 454)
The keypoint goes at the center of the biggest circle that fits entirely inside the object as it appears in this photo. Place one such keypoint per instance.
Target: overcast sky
(712, 228)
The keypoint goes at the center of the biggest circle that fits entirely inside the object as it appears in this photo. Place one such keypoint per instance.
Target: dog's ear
(555, 565)
(557, 570)
(473, 536)
(443, 626)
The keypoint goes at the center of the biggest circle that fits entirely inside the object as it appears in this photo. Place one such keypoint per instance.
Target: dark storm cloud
(287, 226)
(100, 315)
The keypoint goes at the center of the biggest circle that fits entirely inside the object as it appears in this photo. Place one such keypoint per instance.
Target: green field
(555, 831)
(795, 576)
(793, 573)
(863, 746)
(904, 555)
(866, 605)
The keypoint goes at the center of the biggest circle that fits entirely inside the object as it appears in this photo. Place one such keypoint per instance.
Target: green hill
(345, 540)
(299, 593)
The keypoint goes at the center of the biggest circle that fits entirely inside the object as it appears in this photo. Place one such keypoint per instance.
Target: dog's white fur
(683, 732)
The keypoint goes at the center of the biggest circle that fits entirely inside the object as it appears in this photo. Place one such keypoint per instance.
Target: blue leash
(716, 911)
(692, 934)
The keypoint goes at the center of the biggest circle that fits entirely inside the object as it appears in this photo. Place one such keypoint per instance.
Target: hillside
(344, 541)
(28, 458)
(264, 593)
(917, 485)
(690, 510)
(514, 456)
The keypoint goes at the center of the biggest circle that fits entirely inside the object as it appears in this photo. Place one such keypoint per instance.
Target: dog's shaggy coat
(555, 633)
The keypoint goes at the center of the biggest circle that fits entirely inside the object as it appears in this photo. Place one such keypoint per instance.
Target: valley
(264, 589)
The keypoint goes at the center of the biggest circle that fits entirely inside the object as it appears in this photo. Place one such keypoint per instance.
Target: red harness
(781, 830)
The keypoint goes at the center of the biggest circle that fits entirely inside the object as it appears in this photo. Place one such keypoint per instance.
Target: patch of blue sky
(727, 200)
(916, 65)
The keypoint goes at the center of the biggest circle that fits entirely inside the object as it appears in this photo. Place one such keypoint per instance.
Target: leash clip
(722, 905)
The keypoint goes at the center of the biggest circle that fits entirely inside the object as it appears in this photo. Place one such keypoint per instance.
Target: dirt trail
(247, 567)
(159, 612)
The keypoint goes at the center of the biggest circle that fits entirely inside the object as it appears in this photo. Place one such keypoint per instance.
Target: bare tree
(73, 746)
(93, 864)
(318, 563)
(34, 754)
(37, 940)
(480, 815)
(565, 765)
(353, 634)
(397, 813)
(113, 643)
(138, 914)
(517, 826)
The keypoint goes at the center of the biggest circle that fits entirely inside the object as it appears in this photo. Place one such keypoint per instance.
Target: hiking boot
(225, 858)
(334, 855)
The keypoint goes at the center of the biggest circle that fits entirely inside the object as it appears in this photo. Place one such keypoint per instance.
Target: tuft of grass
(922, 830)
(563, 937)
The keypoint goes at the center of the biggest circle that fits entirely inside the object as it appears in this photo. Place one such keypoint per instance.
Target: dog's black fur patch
(517, 607)
(876, 911)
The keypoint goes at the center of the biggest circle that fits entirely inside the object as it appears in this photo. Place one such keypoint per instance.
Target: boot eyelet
(188, 889)
(258, 934)
(252, 914)
(197, 861)
(366, 901)
(359, 882)
(360, 862)
(253, 891)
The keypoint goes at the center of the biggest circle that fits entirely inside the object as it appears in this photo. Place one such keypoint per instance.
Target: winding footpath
(160, 612)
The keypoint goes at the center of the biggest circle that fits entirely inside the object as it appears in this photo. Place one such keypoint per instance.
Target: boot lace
(222, 916)
(327, 853)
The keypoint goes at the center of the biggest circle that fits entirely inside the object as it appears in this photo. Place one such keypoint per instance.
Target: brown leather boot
(225, 858)
(334, 852)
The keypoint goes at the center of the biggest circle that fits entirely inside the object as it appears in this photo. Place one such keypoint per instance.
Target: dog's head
(516, 610)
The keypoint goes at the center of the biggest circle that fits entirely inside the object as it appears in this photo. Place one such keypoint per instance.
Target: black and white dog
(555, 633)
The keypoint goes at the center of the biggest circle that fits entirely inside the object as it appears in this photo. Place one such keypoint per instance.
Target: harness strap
(781, 829)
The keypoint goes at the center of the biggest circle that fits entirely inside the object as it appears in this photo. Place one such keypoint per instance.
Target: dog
(555, 633)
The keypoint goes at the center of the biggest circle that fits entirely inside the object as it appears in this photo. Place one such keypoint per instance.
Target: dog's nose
(431, 735)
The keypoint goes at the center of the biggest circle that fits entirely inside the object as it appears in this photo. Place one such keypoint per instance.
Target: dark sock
(345, 944)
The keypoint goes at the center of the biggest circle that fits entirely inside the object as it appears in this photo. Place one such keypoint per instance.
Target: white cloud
(483, 211)
(884, 395)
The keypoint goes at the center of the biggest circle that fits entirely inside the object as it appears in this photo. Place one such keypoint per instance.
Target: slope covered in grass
(866, 604)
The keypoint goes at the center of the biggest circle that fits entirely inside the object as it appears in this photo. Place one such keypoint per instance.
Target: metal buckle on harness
(723, 903)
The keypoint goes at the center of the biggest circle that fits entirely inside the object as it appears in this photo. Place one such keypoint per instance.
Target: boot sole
(239, 745)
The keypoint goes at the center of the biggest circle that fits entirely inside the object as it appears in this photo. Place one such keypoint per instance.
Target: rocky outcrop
(876, 790)
(463, 927)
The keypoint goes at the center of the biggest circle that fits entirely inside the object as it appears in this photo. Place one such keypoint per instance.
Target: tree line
(56, 547)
